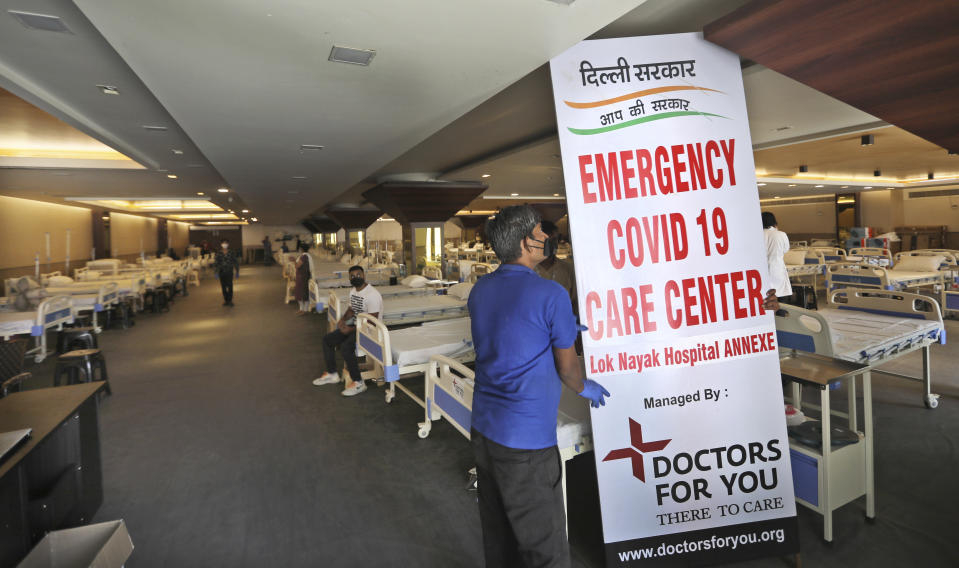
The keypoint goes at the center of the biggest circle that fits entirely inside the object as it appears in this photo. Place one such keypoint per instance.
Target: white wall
(24, 222)
(384, 231)
(178, 233)
(128, 233)
(927, 211)
(804, 218)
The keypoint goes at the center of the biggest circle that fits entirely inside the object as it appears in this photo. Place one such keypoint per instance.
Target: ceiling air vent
(933, 193)
(40, 22)
(350, 55)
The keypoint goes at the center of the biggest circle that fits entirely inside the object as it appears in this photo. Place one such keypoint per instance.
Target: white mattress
(125, 287)
(865, 337)
(415, 345)
(16, 323)
(906, 277)
(421, 308)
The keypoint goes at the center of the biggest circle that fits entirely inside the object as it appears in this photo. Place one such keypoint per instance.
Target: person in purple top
(524, 333)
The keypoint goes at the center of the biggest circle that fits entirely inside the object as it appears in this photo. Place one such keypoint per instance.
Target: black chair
(82, 365)
(12, 356)
(70, 338)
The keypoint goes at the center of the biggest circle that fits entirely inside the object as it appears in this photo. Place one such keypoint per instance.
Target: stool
(81, 366)
(121, 314)
(193, 277)
(70, 338)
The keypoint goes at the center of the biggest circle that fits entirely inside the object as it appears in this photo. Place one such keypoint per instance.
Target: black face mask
(549, 245)
(357, 281)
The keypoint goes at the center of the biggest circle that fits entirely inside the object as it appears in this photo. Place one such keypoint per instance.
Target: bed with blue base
(398, 354)
(50, 313)
(449, 395)
(867, 326)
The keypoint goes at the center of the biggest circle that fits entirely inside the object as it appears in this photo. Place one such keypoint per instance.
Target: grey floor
(217, 451)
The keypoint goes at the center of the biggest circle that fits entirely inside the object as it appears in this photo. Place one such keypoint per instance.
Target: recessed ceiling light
(555, 195)
(298, 178)
(171, 176)
(177, 152)
(305, 147)
(820, 185)
(154, 128)
(775, 197)
(223, 190)
(41, 22)
(792, 185)
(108, 89)
(514, 195)
(351, 55)
(254, 219)
(485, 175)
(868, 187)
(245, 211)
(890, 188)
(761, 184)
(844, 187)
(200, 193)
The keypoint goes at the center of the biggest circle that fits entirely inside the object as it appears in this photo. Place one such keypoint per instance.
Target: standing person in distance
(301, 291)
(524, 333)
(364, 299)
(225, 263)
(777, 244)
(267, 251)
(557, 269)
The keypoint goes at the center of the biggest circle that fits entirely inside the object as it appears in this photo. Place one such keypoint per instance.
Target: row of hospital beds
(31, 306)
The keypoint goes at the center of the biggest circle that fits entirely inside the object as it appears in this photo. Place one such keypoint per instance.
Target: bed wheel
(932, 401)
(424, 430)
(389, 396)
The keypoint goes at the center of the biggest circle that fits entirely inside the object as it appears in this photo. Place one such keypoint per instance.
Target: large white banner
(691, 448)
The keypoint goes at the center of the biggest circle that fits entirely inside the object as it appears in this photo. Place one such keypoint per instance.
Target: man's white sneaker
(354, 390)
(327, 379)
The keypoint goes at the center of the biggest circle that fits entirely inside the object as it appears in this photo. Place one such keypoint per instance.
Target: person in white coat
(777, 243)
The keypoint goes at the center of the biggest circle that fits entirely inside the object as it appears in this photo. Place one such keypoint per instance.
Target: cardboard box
(103, 545)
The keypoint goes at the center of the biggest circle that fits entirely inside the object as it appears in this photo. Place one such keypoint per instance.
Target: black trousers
(226, 286)
(521, 505)
(347, 344)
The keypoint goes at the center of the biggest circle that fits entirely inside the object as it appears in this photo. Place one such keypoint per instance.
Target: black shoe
(230, 304)
(226, 303)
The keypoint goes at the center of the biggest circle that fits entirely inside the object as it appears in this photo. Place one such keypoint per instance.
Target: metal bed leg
(797, 395)
(825, 502)
(867, 419)
(929, 399)
(852, 404)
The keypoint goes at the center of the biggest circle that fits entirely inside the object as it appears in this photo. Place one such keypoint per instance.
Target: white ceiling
(455, 90)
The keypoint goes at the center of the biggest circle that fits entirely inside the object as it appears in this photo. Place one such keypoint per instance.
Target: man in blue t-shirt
(524, 333)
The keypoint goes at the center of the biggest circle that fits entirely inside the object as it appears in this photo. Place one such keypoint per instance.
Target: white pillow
(59, 280)
(345, 259)
(795, 257)
(415, 281)
(461, 290)
(92, 274)
(919, 263)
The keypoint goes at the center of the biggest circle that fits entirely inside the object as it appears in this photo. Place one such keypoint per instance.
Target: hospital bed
(869, 327)
(319, 299)
(400, 310)
(906, 275)
(870, 255)
(949, 301)
(51, 312)
(804, 262)
(88, 298)
(449, 395)
(398, 353)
